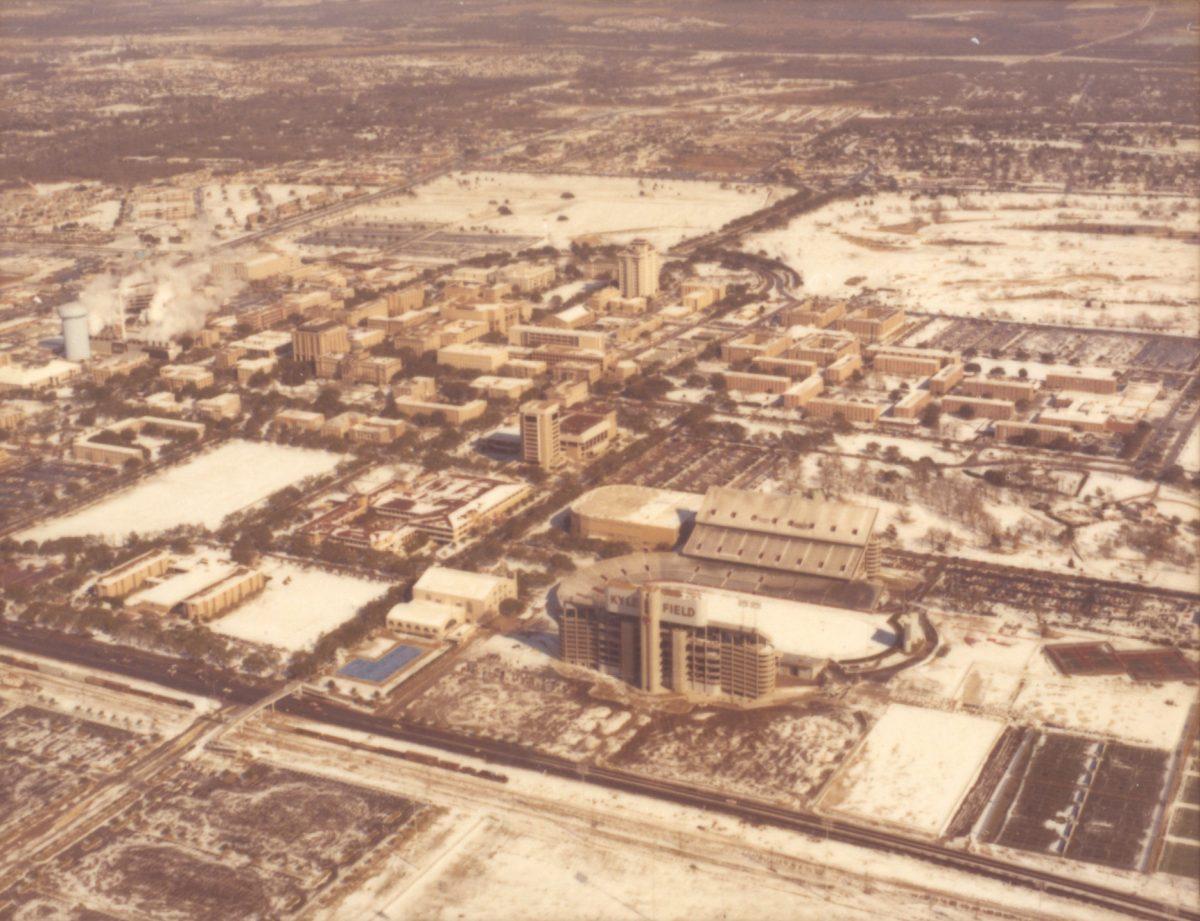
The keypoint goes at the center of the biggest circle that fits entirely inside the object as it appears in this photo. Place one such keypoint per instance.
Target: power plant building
(77, 344)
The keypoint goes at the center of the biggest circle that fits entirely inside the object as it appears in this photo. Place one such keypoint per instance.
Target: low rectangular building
(223, 595)
(745, 382)
(583, 436)
(842, 407)
(946, 379)
(1032, 432)
(802, 392)
(979, 406)
(121, 580)
(999, 388)
(1098, 380)
(473, 356)
(476, 595)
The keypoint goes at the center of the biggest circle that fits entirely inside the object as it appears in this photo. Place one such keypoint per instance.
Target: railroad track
(750, 810)
(755, 811)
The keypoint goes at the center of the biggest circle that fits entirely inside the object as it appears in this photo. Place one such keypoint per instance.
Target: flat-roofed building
(847, 408)
(905, 365)
(541, 433)
(754, 345)
(802, 392)
(247, 369)
(499, 316)
(1032, 432)
(946, 379)
(449, 413)
(585, 435)
(745, 382)
(377, 430)
(911, 405)
(641, 516)
(221, 596)
(1079, 419)
(842, 369)
(449, 507)
(982, 407)
(179, 376)
(53, 373)
(426, 619)
(298, 420)
(789, 367)
(474, 356)
(1096, 380)
(824, 348)
(528, 368)
(816, 312)
(318, 338)
(501, 388)
(222, 406)
(874, 324)
(571, 317)
(999, 388)
(130, 575)
(378, 370)
(527, 277)
(410, 297)
(475, 594)
(87, 451)
(536, 336)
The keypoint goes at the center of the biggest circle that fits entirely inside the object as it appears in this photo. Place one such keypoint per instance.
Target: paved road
(102, 805)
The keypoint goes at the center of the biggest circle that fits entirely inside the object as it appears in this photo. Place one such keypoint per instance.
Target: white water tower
(77, 344)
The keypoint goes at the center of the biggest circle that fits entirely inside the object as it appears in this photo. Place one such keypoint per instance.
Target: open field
(1005, 256)
(298, 606)
(46, 756)
(563, 208)
(238, 843)
(941, 754)
(781, 754)
(200, 491)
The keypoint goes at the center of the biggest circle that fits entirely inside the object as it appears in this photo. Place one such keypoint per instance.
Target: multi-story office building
(541, 438)
(318, 338)
(638, 266)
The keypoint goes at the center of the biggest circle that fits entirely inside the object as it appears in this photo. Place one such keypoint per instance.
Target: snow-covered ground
(987, 255)
(994, 666)
(616, 209)
(913, 768)
(298, 606)
(199, 491)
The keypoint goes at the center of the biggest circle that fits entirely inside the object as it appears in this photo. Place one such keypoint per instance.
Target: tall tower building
(540, 439)
(77, 344)
(638, 266)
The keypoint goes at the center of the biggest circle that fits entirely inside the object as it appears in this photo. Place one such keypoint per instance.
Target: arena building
(640, 516)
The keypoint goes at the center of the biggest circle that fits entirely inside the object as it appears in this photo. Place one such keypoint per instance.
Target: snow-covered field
(616, 209)
(913, 768)
(989, 255)
(200, 491)
(298, 606)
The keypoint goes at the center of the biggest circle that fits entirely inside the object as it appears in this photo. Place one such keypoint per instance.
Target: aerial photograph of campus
(599, 460)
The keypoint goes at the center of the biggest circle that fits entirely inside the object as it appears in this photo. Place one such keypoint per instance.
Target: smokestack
(77, 345)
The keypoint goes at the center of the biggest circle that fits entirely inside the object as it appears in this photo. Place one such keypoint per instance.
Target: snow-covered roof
(458, 583)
